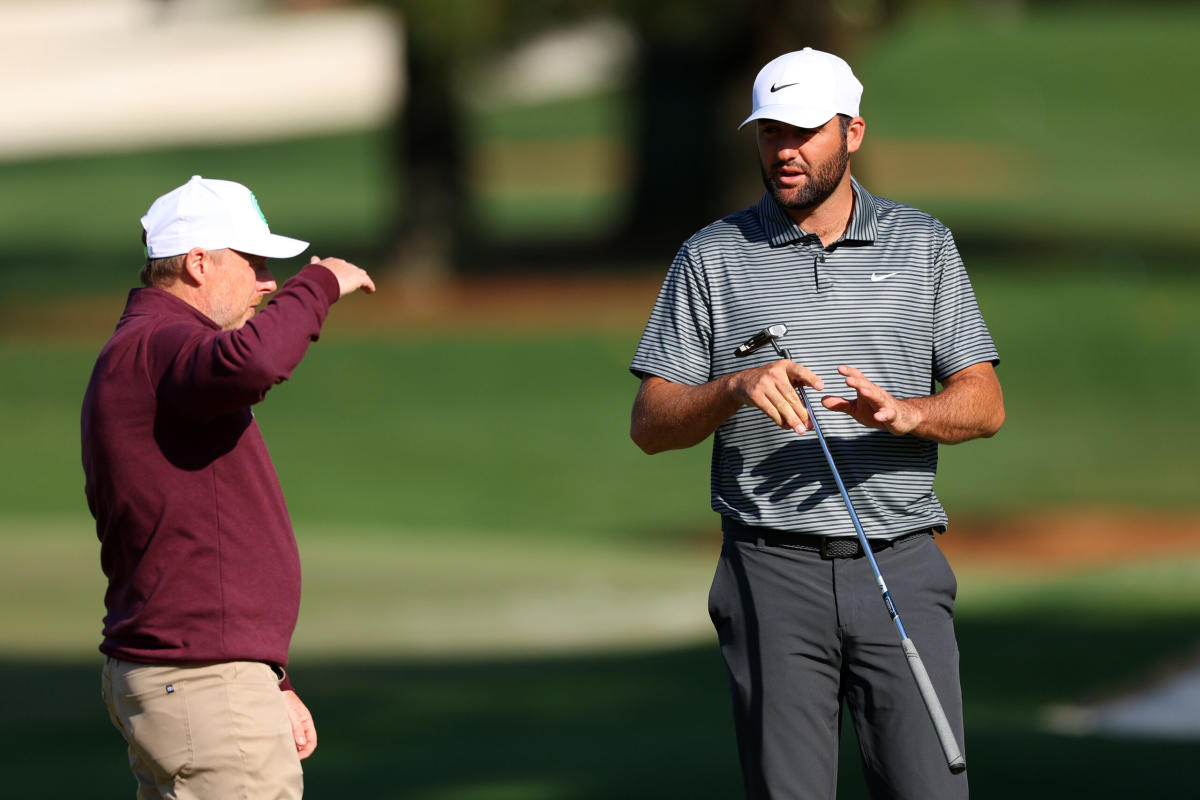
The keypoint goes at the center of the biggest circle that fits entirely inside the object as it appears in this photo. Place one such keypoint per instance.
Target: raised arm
(673, 416)
(208, 373)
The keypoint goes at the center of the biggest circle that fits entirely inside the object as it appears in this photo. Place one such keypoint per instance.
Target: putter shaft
(937, 715)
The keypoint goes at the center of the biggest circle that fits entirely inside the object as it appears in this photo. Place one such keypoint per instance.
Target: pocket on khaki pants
(153, 715)
(258, 717)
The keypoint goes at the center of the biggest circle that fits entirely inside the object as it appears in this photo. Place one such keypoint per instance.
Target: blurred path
(95, 75)
(1167, 708)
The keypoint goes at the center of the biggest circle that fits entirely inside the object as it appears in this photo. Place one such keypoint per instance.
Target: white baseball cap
(212, 214)
(805, 88)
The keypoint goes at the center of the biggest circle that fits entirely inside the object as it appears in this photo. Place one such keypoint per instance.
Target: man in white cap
(195, 540)
(873, 293)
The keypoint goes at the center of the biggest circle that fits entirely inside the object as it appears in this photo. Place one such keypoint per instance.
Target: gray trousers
(801, 635)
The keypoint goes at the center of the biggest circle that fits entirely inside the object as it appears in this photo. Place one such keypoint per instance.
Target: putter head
(767, 335)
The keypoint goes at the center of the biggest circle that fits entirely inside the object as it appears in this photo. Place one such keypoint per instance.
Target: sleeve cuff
(324, 278)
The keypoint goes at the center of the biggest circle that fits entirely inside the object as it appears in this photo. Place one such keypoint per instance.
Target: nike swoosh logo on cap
(775, 88)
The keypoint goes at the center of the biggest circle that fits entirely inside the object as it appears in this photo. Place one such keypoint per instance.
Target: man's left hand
(303, 729)
(873, 407)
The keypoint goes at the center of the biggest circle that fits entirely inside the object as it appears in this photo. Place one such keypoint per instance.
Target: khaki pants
(208, 732)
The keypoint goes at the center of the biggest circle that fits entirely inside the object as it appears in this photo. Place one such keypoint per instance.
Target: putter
(954, 758)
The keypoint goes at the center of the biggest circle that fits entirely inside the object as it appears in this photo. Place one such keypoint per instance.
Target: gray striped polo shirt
(891, 297)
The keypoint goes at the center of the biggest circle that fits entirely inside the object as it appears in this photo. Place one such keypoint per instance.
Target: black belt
(828, 546)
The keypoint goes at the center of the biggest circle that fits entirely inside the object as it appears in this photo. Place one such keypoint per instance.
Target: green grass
(528, 434)
(651, 721)
(1086, 96)
(513, 434)
(521, 434)
(594, 727)
(1094, 363)
(447, 491)
(487, 556)
(70, 225)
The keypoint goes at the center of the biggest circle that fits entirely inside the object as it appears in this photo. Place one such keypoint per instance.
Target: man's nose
(789, 148)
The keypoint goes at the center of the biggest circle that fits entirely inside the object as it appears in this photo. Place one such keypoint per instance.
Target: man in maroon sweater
(195, 539)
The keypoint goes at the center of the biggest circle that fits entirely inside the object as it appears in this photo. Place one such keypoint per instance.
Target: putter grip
(954, 758)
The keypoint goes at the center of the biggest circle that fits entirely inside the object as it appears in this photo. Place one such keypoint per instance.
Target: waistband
(280, 672)
(827, 546)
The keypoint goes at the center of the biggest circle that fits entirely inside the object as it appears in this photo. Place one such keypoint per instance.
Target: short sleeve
(677, 342)
(960, 336)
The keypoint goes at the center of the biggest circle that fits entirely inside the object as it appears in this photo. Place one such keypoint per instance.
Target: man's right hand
(772, 388)
(672, 416)
(350, 278)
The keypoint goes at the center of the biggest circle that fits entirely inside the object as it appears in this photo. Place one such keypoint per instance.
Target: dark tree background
(695, 63)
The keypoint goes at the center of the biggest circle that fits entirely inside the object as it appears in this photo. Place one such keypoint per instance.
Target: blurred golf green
(486, 553)
(528, 434)
(1078, 105)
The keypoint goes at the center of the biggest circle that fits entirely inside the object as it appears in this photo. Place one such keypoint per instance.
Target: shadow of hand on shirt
(796, 472)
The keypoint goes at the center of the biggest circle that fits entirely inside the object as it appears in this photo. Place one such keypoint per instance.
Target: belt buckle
(827, 555)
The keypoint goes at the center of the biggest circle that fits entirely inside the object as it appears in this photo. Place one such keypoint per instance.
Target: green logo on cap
(257, 208)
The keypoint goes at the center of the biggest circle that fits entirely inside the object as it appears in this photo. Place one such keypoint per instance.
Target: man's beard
(822, 180)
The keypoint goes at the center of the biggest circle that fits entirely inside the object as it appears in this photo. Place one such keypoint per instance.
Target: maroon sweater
(195, 538)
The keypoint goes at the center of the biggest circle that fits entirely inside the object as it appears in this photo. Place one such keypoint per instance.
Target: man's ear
(854, 134)
(196, 265)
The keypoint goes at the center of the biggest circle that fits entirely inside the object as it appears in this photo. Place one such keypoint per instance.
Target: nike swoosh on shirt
(775, 88)
(876, 277)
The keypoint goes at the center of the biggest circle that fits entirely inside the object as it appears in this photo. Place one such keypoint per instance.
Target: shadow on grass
(619, 726)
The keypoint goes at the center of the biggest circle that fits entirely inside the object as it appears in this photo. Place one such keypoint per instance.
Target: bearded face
(801, 167)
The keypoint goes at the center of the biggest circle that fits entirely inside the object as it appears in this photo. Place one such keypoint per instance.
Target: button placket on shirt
(822, 275)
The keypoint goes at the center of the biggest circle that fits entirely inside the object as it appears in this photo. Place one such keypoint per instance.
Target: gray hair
(161, 271)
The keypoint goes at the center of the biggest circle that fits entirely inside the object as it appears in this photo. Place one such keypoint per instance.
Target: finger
(793, 412)
(310, 740)
(799, 373)
(806, 423)
(769, 389)
(849, 371)
(315, 260)
(857, 380)
(839, 404)
(876, 396)
(368, 284)
(298, 733)
(793, 415)
(767, 400)
(865, 387)
(772, 410)
(298, 716)
(854, 377)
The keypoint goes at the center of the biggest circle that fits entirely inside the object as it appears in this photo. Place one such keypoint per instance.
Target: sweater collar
(155, 301)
